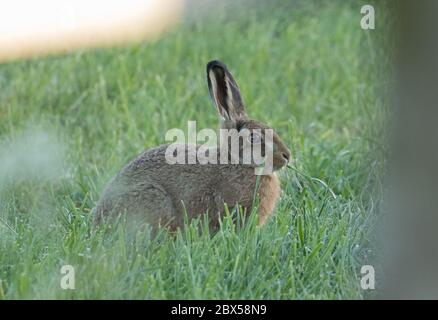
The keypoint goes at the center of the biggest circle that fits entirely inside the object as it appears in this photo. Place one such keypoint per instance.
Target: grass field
(68, 123)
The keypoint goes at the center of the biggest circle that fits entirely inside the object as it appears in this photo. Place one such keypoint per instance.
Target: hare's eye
(254, 138)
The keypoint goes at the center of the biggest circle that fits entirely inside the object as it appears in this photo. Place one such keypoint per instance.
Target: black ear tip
(215, 64)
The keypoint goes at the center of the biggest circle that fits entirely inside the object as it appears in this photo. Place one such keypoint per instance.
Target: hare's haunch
(151, 190)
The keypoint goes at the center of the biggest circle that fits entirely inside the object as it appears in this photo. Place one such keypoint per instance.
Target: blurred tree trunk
(411, 234)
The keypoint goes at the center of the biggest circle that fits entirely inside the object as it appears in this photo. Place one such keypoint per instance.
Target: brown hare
(151, 190)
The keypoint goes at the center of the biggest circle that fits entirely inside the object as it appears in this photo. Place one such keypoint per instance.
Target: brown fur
(269, 193)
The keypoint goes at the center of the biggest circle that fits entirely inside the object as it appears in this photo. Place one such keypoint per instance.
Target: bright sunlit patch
(30, 27)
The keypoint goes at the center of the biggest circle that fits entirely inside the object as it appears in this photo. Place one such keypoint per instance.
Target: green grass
(307, 68)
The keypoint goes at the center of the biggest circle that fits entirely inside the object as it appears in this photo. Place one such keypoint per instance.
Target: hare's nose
(286, 156)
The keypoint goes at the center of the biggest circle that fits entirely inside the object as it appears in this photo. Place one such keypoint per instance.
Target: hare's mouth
(279, 162)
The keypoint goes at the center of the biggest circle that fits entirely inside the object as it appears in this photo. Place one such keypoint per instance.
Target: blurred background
(73, 113)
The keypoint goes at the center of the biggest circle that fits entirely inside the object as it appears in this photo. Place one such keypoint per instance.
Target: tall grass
(305, 67)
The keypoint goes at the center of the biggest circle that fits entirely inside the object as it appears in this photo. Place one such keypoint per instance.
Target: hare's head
(227, 98)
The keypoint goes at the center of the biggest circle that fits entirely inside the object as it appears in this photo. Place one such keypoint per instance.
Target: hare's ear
(224, 91)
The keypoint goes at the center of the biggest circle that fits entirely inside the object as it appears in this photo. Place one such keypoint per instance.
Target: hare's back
(150, 183)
